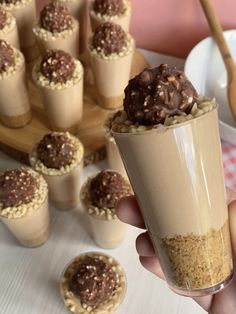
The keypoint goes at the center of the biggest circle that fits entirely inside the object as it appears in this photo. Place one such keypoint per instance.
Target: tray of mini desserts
(67, 68)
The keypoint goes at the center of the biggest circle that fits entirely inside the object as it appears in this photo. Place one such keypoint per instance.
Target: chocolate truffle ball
(158, 93)
(17, 186)
(57, 66)
(93, 282)
(55, 17)
(55, 150)
(109, 38)
(109, 7)
(107, 188)
(3, 18)
(9, 1)
(6, 56)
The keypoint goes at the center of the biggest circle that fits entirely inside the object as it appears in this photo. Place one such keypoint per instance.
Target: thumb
(232, 223)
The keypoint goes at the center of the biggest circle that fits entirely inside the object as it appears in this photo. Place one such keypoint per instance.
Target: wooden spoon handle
(217, 33)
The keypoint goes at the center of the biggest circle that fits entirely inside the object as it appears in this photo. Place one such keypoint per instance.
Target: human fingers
(144, 245)
(231, 195)
(152, 264)
(128, 211)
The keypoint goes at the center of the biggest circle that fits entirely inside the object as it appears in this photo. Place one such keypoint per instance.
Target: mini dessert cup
(57, 29)
(61, 86)
(13, 114)
(106, 229)
(111, 69)
(25, 13)
(113, 155)
(28, 220)
(59, 158)
(118, 12)
(8, 29)
(175, 169)
(102, 296)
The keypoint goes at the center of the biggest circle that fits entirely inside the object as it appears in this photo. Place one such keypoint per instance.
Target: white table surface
(29, 277)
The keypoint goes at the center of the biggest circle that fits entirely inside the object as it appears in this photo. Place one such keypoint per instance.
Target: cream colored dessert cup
(10, 34)
(25, 15)
(74, 304)
(64, 189)
(33, 229)
(67, 41)
(111, 76)
(113, 155)
(15, 109)
(177, 174)
(123, 20)
(64, 107)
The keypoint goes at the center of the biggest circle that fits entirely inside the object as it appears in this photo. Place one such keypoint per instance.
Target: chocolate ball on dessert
(55, 150)
(109, 7)
(3, 18)
(109, 38)
(106, 188)
(93, 282)
(57, 66)
(158, 93)
(6, 56)
(56, 18)
(17, 187)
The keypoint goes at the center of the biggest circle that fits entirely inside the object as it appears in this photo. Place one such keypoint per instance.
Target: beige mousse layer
(63, 102)
(10, 32)
(64, 183)
(75, 305)
(13, 87)
(111, 75)
(25, 14)
(122, 20)
(30, 223)
(106, 229)
(67, 40)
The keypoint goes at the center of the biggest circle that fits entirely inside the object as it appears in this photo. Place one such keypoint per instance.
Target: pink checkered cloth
(229, 161)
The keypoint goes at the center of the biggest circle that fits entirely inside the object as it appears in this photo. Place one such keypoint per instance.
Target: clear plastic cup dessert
(111, 52)
(8, 28)
(93, 283)
(24, 12)
(57, 29)
(59, 78)
(13, 114)
(169, 140)
(116, 11)
(59, 158)
(24, 206)
(99, 196)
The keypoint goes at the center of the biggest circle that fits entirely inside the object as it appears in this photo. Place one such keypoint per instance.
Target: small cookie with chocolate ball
(8, 28)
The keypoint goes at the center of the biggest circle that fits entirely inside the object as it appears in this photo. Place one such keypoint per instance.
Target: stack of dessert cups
(57, 29)
(24, 206)
(175, 167)
(99, 196)
(25, 13)
(58, 157)
(116, 11)
(8, 28)
(15, 108)
(59, 78)
(111, 52)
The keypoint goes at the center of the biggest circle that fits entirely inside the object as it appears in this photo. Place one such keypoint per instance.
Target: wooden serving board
(18, 142)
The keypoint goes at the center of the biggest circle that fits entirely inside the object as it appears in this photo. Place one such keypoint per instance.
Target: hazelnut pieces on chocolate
(17, 187)
(6, 56)
(109, 7)
(57, 66)
(93, 282)
(55, 150)
(109, 38)
(3, 18)
(158, 93)
(106, 188)
(55, 17)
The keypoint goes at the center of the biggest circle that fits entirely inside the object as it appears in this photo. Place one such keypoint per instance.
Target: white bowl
(205, 69)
